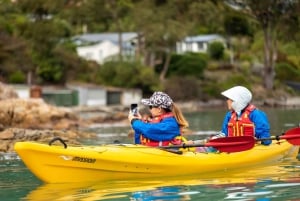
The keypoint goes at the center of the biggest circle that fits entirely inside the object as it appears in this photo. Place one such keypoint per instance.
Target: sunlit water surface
(280, 182)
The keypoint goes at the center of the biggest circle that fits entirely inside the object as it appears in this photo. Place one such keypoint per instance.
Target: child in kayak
(165, 125)
(243, 118)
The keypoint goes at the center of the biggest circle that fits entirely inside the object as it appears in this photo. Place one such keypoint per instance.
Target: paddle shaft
(293, 139)
(242, 143)
(292, 136)
(224, 144)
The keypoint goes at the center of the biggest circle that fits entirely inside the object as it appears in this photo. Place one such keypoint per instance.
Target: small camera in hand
(134, 109)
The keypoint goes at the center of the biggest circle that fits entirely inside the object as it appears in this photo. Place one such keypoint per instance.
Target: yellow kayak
(59, 164)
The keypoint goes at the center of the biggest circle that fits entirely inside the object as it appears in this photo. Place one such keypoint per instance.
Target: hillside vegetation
(262, 50)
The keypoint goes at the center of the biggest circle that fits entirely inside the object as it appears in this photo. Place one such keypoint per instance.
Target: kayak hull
(56, 164)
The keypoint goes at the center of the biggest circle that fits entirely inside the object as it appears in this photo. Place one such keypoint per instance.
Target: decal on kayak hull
(79, 159)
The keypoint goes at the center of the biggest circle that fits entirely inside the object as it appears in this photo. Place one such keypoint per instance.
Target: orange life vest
(240, 126)
(153, 143)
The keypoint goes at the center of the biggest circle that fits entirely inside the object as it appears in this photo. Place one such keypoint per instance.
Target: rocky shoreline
(35, 120)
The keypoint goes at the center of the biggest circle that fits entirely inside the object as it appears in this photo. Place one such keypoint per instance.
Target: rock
(7, 135)
(7, 92)
(10, 136)
(4, 146)
(36, 114)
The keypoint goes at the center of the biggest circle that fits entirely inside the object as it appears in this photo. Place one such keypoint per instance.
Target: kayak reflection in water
(165, 125)
(161, 193)
(243, 118)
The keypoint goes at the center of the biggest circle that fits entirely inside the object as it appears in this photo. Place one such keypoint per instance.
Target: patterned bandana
(159, 99)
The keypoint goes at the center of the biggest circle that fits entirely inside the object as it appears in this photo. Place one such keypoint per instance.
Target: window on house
(88, 55)
(200, 45)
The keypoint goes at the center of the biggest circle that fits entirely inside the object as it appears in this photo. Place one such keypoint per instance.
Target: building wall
(96, 97)
(90, 95)
(84, 95)
(131, 96)
(98, 52)
(60, 96)
(23, 91)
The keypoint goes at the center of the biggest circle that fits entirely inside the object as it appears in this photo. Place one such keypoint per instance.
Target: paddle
(224, 144)
(241, 143)
(291, 135)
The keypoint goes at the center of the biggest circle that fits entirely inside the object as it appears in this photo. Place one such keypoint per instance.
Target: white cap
(240, 96)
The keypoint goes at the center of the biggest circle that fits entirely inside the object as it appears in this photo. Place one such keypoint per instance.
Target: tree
(109, 13)
(236, 25)
(14, 52)
(161, 24)
(207, 16)
(43, 30)
(270, 15)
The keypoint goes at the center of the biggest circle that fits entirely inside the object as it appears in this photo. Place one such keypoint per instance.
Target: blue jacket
(167, 129)
(261, 122)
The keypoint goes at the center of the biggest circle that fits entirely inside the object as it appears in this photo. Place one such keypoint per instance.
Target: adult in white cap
(165, 126)
(243, 117)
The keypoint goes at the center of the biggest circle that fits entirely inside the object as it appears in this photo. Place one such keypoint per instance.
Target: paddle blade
(292, 136)
(232, 144)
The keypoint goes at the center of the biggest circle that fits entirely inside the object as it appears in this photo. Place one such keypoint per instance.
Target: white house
(100, 47)
(198, 43)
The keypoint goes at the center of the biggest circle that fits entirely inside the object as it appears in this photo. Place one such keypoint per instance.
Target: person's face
(155, 111)
(229, 103)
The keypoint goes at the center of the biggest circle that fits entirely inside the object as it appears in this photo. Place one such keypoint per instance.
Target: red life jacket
(154, 143)
(240, 126)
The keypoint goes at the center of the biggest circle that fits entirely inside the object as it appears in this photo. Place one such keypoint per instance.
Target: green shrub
(246, 57)
(17, 77)
(236, 24)
(216, 50)
(49, 73)
(214, 88)
(211, 90)
(295, 60)
(183, 88)
(128, 75)
(236, 80)
(189, 64)
(285, 71)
